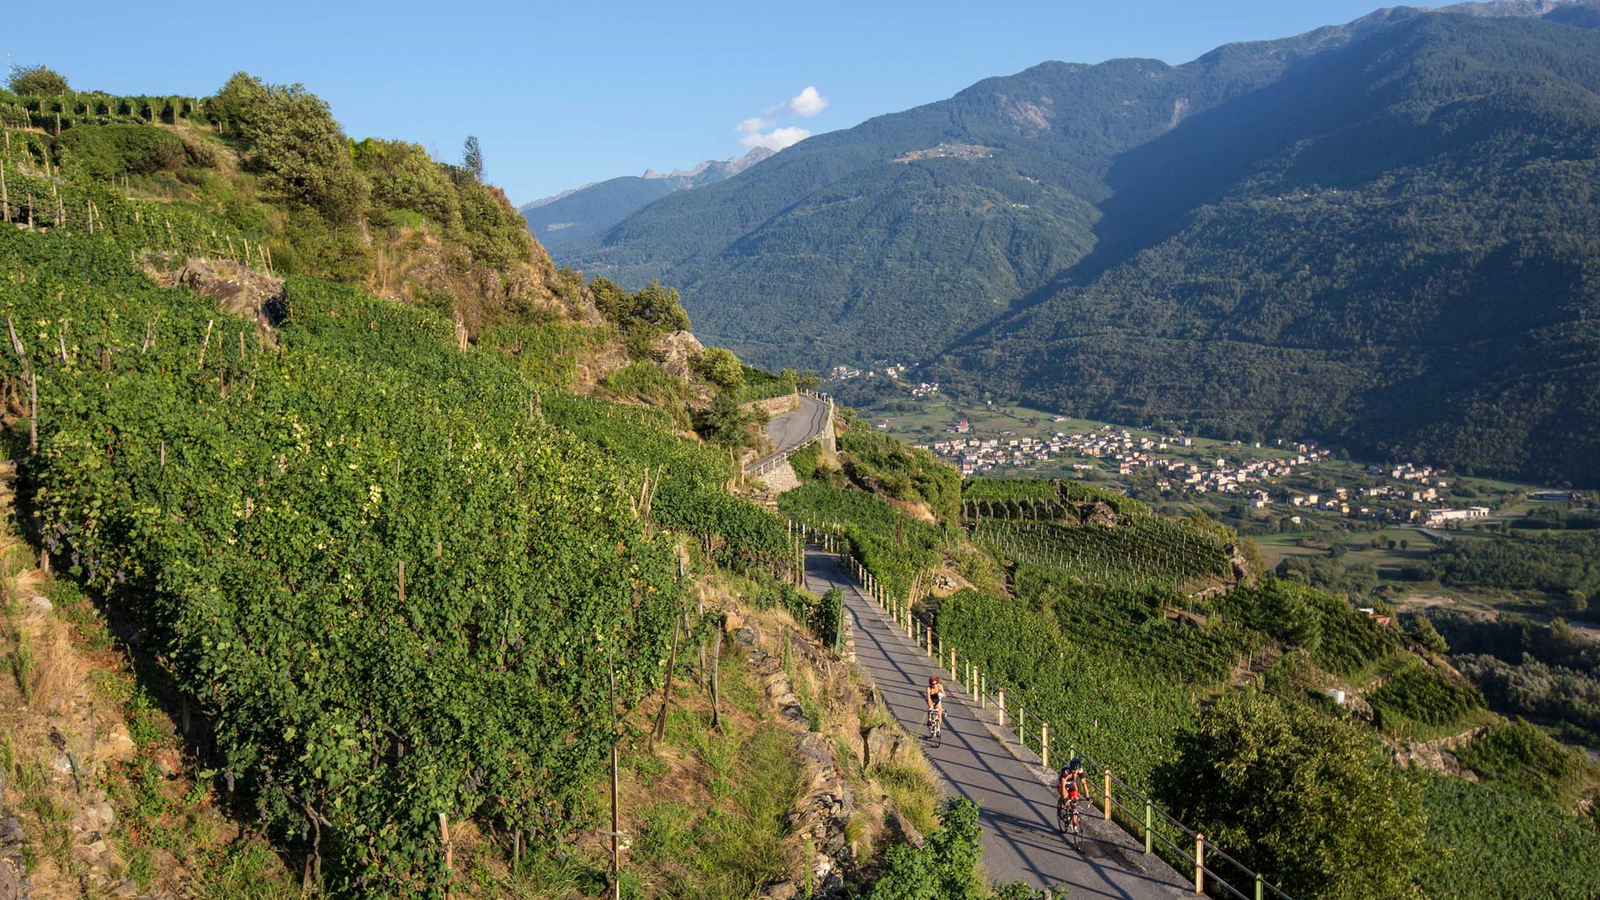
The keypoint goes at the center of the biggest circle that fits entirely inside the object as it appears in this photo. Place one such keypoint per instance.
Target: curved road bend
(1020, 840)
(788, 430)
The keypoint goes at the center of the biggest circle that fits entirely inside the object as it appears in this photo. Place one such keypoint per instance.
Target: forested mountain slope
(1375, 233)
(1395, 246)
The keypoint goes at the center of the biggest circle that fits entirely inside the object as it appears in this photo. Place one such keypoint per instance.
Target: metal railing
(1117, 801)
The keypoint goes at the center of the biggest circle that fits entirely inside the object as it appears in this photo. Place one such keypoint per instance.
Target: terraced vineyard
(1147, 552)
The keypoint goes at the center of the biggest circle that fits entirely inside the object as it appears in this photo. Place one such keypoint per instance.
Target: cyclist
(936, 700)
(1069, 785)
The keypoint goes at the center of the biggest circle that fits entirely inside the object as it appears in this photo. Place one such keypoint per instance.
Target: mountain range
(1382, 233)
(585, 211)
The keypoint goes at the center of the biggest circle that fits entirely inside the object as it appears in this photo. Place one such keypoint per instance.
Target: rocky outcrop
(14, 884)
(1435, 755)
(239, 290)
(1099, 513)
(676, 352)
(1239, 565)
(825, 808)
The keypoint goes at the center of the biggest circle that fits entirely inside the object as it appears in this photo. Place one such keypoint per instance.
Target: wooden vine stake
(666, 694)
(716, 657)
(616, 834)
(449, 853)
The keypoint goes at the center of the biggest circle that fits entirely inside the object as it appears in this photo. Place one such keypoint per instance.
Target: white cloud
(751, 125)
(776, 139)
(807, 103)
(764, 130)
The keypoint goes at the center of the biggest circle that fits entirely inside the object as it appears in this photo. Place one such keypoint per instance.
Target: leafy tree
(37, 81)
(720, 367)
(724, 422)
(293, 141)
(1307, 799)
(403, 177)
(1423, 632)
(472, 157)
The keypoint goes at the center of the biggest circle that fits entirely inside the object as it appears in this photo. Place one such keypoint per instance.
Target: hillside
(571, 216)
(308, 590)
(1371, 233)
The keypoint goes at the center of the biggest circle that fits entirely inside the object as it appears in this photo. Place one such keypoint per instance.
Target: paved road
(1020, 841)
(788, 430)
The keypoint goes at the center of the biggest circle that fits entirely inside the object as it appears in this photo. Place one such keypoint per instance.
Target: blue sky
(562, 94)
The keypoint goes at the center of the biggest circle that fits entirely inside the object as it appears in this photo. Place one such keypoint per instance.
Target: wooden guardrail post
(1199, 864)
(1259, 886)
(1044, 743)
(1107, 797)
(1000, 702)
(1149, 821)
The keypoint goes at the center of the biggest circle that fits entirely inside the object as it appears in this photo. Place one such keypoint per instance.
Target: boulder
(882, 745)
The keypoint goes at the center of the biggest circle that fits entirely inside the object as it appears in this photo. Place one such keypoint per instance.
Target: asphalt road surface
(789, 430)
(1020, 839)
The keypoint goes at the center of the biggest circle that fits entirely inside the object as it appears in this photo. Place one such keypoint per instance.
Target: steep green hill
(1377, 233)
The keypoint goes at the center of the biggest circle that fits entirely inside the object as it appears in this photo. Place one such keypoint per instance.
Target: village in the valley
(1282, 477)
(1252, 479)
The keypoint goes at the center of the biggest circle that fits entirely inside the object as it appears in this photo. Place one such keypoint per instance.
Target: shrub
(37, 81)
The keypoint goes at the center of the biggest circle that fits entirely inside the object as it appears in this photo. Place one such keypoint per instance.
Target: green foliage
(1094, 697)
(1531, 687)
(1309, 801)
(1492, 842)
(881, 464)
(891, 544)
(1520, 755)
(762, 385)
(725, 423)
(819, 615)
(294, 143)
(945, 869)
(254, 506)
(404, 178)
(1418, 693)
(107, 152)
(1149, 552)
(1423, 632)
(1284, 610)
(718, 366)
(642, 315)
(37, 81)
(1555, 564)
(472, 157)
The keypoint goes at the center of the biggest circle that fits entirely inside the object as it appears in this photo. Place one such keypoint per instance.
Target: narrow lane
(789, 430)
(1020, 841)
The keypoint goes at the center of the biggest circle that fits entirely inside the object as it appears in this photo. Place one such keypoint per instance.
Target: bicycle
(935, 725)
(1070, 823)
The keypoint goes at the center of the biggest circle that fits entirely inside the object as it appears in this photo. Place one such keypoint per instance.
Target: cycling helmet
(1073, 765)
(933, 680)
